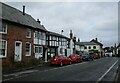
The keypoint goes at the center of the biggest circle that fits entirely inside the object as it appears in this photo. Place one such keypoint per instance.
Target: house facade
(93, 46)
(79, 48)
(18, 42)
(39, 44)
(57, 44)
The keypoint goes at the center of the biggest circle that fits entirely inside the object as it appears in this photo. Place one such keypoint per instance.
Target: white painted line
(107, 71)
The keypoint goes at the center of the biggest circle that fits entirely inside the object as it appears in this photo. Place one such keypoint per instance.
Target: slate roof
(79, 43)
(56, 34)
(14, 15)
(93, 40)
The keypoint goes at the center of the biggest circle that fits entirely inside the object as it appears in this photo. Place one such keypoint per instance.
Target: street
(103, 69)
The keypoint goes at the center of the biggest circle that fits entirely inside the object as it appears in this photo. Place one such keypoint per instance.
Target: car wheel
(70, 63)
(61, 64)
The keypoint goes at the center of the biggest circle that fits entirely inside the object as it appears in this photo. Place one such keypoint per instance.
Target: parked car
(75, 58)
(87, 56)
(108, 54)
(96, 56)
(60, 60)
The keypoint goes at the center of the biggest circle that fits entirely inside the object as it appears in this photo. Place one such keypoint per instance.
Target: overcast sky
(87, 20)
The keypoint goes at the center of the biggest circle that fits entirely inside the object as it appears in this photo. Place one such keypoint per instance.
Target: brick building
(17, 37)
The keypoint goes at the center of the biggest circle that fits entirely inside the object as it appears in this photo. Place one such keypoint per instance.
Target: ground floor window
(28, 49)
(3, 48)
(52, 52)
(62, 51)
(38, 52)
(38, 49)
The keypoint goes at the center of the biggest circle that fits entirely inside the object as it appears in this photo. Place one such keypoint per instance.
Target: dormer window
(3, 29)
(28, 33)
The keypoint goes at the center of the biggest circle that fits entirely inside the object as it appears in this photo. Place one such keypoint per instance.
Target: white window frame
(38, 52)
(6, 28)
(30, 49)
(35, 35)
(1, 56)
(30, 33)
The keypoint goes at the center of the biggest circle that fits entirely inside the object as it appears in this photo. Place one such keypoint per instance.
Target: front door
(18, 51)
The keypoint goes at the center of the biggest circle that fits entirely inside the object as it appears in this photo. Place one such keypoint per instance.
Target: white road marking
(107, 71)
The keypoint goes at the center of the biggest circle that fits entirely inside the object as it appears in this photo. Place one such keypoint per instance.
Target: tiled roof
(88, 43)
(14, 15)
(96, 42)
(56, 34)
(79, 43)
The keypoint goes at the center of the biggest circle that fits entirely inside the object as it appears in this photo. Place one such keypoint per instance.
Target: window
(36, 34)
(28, 49)
(3, 29)
(38, 49)
(28, 33)
(47, 38)
(89, 47)
(43, 36)
(85, 47)
(94, 47)
(50, 37)
(3, 48)
(57, 38)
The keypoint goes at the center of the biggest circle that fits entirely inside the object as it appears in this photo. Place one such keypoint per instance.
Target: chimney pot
(96, 39)
(78, 40)
(38, 21)
(23, 9)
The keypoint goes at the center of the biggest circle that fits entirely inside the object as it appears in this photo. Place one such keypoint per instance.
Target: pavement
(117, 78)
(104, 69)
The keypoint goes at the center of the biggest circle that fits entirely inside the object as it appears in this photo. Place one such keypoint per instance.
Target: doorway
(18, 51)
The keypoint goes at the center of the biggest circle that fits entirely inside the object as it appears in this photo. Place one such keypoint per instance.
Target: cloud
(87, 19)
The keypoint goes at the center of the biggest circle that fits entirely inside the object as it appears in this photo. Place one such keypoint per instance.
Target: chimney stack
(38, 21)
(96, 39)
(71, 34)
(23, 9)
(78, 40)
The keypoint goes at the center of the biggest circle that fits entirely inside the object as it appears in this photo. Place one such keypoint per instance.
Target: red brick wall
(16, 32)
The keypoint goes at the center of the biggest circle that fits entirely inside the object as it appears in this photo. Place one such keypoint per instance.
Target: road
(103, 69)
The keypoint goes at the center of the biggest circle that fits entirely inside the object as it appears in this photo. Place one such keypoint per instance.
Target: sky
(87, 20)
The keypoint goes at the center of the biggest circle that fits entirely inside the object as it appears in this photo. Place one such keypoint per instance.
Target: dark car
(75, 58)
(87, 56)
(60, 60)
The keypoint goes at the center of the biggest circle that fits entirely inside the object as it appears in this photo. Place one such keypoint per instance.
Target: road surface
(103, 69)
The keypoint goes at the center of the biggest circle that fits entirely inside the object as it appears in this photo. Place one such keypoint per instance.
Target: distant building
(79, 48)
(118, 50)
(93, 45)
